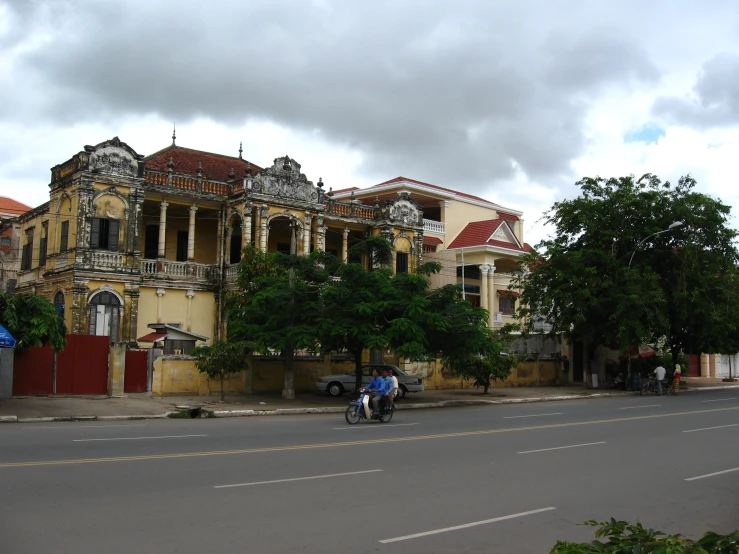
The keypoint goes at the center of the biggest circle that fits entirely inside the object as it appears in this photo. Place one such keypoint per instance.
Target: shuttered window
(401, 262)
(64, 241)
(42, 252)
(104, 234)
(27, 252)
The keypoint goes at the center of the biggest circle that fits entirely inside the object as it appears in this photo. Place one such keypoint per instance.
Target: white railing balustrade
(177, 269)
(431, 226)
(102, 259)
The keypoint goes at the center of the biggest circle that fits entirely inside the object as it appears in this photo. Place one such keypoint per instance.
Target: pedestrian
(676, 379)
(659, 373)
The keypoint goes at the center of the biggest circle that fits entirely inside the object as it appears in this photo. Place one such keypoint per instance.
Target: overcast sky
(512, 101)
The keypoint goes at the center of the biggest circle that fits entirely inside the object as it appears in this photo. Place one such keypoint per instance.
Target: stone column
(491, 294)
(162, 229)
(131, 312)
(320, 235)
(160, 294)
(484, 303)
(263, 211)
(79, 307)
(190, 294)
(135, 223)
(345, 245)
(228, 236)
(191, 235)
(85, 212)
(307, 223)
(246, 231)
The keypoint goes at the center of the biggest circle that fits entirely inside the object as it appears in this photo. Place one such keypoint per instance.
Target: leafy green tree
(32, 320)
(613, 273)
(222, 359)
(277, 305)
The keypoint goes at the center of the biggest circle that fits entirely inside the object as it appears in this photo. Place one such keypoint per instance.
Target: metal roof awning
(152, 337)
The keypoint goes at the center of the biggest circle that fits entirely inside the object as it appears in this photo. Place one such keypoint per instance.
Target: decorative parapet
(350, 209)
(186, 182)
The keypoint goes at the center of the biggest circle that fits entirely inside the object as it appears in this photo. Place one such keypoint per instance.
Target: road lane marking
(384, 440)
(467, 525)
(139, 438)
(561, 447)
(375, 426)
(295, 479)
(713, 474)
(63, 425)
(719, 399)
(637, 407)
(709, 428)
(530, 415)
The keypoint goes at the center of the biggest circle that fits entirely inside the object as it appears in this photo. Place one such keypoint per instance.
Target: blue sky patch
(648, 133)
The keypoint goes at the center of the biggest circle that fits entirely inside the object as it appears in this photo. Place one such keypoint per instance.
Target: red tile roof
(463, 194)
(477, 233)
(152, 337)
(10, 207)
(186, 161)
(507, 216)
(432, 240)
(345, 190)
(508, 293)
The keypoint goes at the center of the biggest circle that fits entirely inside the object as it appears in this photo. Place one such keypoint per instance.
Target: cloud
(453, 94)
(714, 101)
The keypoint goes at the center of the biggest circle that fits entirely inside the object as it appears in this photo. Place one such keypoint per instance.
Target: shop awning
(6, 339)
(432, 240)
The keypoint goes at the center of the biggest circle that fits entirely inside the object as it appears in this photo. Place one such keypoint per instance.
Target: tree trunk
(357, 370)
(485, 388)
(288, 391)
(223, 393)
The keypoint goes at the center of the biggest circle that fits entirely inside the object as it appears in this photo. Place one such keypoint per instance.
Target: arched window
(59, 304)
(104, 311)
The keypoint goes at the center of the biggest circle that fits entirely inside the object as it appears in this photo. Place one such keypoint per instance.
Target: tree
(222, 359)
(587, 286)
(32, 320)
(277, 304)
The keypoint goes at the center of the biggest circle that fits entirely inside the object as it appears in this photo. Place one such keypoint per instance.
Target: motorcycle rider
(376, 389)
(392, 385)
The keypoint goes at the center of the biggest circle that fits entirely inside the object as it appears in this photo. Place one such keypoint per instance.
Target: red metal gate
(82, 367)
(137, 370)
(33, 372)
(694, 365)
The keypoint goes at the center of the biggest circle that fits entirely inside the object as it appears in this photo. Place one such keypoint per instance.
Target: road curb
(338, 410)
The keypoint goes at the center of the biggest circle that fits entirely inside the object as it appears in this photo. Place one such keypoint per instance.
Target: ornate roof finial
(241, 149)
(200, 168)
(170, 164)
(231, 174)
(248, 168)
(286, 164)
(174, 134)
(353, 197)
(320, 183)
(330, 192)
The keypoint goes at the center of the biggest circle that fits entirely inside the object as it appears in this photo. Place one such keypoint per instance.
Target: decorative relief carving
(404, 210)
(114, 160)
(284, 180)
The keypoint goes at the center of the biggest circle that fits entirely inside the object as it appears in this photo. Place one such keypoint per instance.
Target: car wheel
(335, 389)
(402, 391)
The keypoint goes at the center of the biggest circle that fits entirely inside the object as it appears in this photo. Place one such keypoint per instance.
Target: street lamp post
(672, 226)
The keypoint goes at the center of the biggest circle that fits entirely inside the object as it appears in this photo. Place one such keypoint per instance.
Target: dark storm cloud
(715, 98)
(459, 93)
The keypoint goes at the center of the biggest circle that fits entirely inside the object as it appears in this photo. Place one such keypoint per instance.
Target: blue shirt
(377, 383)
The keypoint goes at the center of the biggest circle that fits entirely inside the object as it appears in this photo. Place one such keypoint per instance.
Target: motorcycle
(358, 411)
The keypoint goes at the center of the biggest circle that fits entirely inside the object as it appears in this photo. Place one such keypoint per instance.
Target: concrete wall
(173, 308)
(526, 374)
(267, 375)
(6, 372)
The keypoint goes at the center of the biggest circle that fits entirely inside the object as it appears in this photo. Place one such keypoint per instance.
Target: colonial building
(127, 241)
(9, 242)
(477, 241)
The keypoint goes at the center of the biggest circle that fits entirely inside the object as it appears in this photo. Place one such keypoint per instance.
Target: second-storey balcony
(183, 271)
(431, 226)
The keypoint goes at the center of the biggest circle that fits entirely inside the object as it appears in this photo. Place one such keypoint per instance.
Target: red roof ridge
(479, 233)
(187, 160)
(10, 205)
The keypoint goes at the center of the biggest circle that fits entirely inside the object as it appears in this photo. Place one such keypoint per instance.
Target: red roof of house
(152, 337)
(187, 160)
(345, 190)
(478, 233)
(465, 195)
(508, 293)
(432, 240)
(11, 207)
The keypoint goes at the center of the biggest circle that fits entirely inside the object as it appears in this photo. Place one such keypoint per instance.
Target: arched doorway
(104, 310)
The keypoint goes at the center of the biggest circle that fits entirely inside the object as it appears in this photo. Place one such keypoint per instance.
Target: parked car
(336, 385)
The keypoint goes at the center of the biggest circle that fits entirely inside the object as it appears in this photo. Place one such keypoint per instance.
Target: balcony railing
(431, 226)
(349, 209)
(181, 270)
(231, 272)
(103, 259)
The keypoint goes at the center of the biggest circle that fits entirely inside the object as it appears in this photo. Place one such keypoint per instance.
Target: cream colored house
(477, 241)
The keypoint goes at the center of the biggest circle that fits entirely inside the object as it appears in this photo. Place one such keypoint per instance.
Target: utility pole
(288, 391)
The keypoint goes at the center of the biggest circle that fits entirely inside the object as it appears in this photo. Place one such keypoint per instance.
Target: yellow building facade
(127, 240)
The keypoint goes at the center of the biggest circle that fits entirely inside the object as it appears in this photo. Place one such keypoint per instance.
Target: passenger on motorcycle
(376, 389)
(392, 385)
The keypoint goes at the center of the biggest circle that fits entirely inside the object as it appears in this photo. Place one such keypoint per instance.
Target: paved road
(421, 484)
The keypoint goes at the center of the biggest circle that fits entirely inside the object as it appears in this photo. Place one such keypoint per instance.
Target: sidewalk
(142, 406)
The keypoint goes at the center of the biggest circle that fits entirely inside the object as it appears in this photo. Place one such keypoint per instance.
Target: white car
(336, 385)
